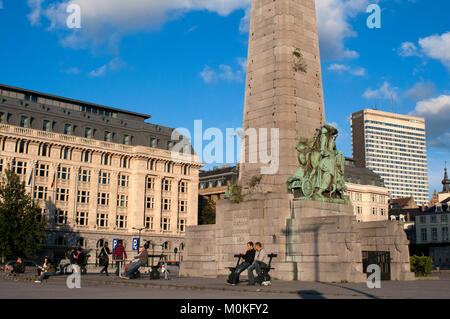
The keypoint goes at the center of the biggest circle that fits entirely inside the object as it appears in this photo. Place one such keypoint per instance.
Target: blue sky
(182, 61)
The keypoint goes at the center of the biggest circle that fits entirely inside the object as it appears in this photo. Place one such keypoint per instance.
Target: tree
(208, 214)
(22, 229)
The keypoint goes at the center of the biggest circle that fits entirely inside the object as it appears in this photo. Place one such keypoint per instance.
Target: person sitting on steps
(260, 262)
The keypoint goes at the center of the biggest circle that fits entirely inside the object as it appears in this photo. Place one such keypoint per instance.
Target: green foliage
(236, 195)
(255, 181)
(208, 214)
(421, 265)
(21, 231)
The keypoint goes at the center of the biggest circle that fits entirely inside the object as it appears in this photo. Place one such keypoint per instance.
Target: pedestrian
(140, 260)
(119, 256)
(18, 267)
(103, 258)
(247, 260)
(41, 269)
(47, 270)
(260, 262)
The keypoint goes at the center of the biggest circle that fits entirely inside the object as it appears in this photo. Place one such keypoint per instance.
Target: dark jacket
(19, 268)
(249, 256)
(103, 256)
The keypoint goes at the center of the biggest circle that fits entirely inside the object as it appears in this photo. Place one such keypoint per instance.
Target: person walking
(261, 260)
(104, 258)
(119, 256)
(247, 260)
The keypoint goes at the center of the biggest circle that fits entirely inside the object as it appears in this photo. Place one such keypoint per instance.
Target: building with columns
(98, 173)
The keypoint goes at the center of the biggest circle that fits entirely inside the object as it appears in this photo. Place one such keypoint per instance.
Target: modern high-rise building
(98, 173)
(393, 146)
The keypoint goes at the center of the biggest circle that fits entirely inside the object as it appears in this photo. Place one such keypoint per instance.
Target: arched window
(151, 165)
(106, 159)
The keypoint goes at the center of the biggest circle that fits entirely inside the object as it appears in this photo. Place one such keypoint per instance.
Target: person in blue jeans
(261, 260)
(140, 260)
(48, 270)
(247, 260)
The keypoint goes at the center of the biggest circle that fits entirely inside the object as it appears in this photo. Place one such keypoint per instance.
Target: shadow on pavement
(351, 289)
(310, 294)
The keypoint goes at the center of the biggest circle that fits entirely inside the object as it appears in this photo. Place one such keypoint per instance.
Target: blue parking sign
(115, 242)
(135, 243)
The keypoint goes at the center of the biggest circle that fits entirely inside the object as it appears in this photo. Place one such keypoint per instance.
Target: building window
(434, 235)
(125, 162)
(121, 221)
(169, 145)
(150, 183)
(444, 233)
(444, 218)
(25, 121)
(359, 210)
(183, 187)
(154, 142)
(383, 212)
(433, 219)
(374, 211)
(183, 206)
(123, 180)
(86, 157)
(88, 132)
(149, 222)
(19, 167)
(423, 219)
(374, 198)
(66, 153)
(62, 194)
(150, 203)
(165, 224)
(103, 199)
(85, 176)
(42, 170)
(21, 147)
(82, 218)
(127, 139)
(63, 173)
(1, 164)
(83, 197)
(3, 118)
(47, 125)
(104, 178)
(167, 185)
(106, 159)
(424, 235)
(185, 170)
(166, 203)
(182, 225)
(108, 136)
(61, 217)
(102, 220)
(68, 129)
(122, 200)
(44, 150)
(40, 192)
(151, 165)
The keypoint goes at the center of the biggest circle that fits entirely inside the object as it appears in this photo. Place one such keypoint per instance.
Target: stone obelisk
(284, 84)
(314, 240)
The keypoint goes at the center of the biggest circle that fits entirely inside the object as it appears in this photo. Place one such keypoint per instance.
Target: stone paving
(429, 288)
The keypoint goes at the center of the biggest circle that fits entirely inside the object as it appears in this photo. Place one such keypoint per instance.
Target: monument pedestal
(315, 241)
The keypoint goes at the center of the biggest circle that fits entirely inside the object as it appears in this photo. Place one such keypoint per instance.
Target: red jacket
(119, 252)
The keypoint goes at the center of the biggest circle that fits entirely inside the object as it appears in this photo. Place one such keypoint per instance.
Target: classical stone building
(393, 146)
(445, 194)
(99, 173)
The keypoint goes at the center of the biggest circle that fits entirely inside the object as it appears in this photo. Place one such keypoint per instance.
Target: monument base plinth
(314, 241)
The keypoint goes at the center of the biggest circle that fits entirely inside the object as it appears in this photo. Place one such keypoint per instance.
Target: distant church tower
(445, 194)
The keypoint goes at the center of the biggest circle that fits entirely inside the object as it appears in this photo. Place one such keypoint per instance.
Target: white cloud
(384, 92)
(208, 75)
(341, 68)
(114, 65)
(225, 72)
(408, 49)
(436, 112)
(437, 47)
(106, 19)
(421, 91)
